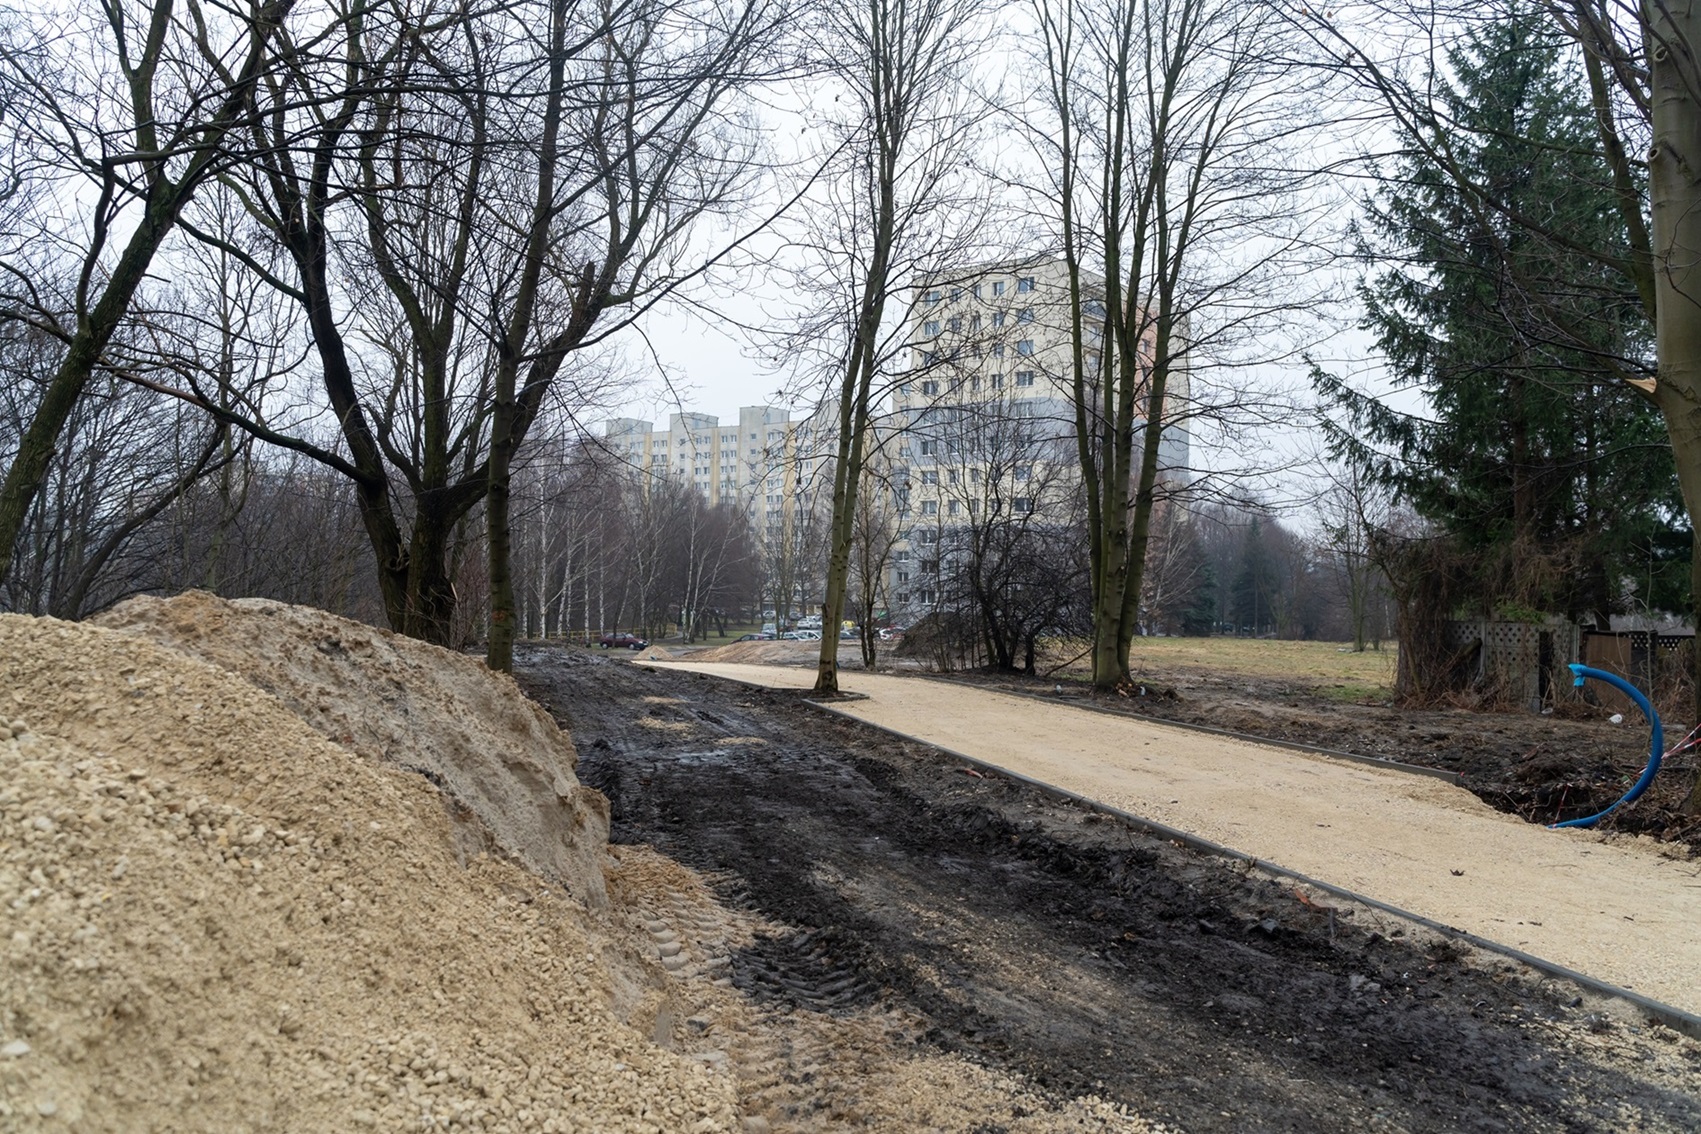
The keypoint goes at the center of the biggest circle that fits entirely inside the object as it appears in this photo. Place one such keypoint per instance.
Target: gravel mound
(767, 653)
(505, 769)
(214, 918)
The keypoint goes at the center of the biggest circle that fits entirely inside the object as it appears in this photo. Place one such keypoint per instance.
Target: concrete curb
(1677, 1019)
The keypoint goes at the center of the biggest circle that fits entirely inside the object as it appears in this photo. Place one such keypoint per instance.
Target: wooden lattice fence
(1516, 663)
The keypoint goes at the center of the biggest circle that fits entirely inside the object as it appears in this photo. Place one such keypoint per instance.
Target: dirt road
(1034, 937)
(1618, 909)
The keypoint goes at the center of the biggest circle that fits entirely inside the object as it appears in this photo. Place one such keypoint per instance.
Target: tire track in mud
(1036, 937)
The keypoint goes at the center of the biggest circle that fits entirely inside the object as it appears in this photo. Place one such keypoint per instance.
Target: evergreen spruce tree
(1551, 479)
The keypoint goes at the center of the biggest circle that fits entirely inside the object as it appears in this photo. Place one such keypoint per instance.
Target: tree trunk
(499, 532)
(95, 329)
(1674, 175)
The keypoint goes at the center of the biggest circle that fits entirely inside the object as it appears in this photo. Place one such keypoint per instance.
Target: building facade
(983, 422)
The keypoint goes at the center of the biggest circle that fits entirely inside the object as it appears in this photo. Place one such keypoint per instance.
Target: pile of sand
(243, 890)
(769, 653)
(217, 919)
(505, 767)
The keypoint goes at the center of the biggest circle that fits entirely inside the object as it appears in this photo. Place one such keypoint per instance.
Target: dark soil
(1041, 938)
(1545, 768)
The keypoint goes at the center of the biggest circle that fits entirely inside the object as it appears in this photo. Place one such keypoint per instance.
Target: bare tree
(1166, 127)
(448, 263)
(899, 210)
(1175, 571)
(1009, 553)
(1352, 511)
(874, 535)
(120, 117)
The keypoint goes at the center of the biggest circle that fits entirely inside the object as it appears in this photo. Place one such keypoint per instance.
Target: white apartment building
(986, 414)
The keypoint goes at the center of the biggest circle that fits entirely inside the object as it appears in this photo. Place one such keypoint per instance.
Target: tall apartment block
(986, 412)
(760, 464)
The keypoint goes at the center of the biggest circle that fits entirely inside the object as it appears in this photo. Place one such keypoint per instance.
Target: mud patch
(1037, 939)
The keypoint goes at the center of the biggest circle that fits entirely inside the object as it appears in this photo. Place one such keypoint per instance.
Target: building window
(974, 385)
(901, 556)
(933, 296)
(976, 290)
(930, 507)
(956, 508)
(927, 448)
(998, 350)
(1025, 315)
(903, 576)
(998, 381)
(974, 476)
(930, 387)
(974, 322)
(930, 328)
(930, 566)
(1025, 347)
(930, 536)
(954, 323)
(997, 319)
(1025, 284)
(1024, 503)
(1024, 377)
(930, 476)
(951, 476)
(903, 596)
(1023, 472)
(926, 596)
(997, 287)
(974, 507)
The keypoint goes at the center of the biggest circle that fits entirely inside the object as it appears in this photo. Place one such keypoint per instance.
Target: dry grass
(1329, 666)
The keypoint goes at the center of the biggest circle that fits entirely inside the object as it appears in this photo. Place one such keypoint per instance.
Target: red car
(622, 642)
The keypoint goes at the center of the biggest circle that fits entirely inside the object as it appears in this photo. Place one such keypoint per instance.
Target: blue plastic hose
(1656, 742)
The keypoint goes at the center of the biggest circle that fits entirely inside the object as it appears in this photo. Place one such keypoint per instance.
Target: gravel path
(1622, 910)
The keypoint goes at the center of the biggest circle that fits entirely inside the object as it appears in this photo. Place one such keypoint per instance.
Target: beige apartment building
(763, 464)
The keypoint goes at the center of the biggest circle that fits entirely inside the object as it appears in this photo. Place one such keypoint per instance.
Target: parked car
(622, 641)
(762, 637)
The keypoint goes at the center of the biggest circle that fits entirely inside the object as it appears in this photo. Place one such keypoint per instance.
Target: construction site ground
(1037, 939)
(1619, 908)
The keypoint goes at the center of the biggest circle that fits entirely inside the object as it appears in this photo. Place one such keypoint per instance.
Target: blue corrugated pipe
(1655, 743)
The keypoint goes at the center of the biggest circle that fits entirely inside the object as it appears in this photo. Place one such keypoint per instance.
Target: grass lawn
(1333, 669)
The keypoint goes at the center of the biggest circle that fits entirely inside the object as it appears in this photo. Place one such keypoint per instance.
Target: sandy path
(1618, 910)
